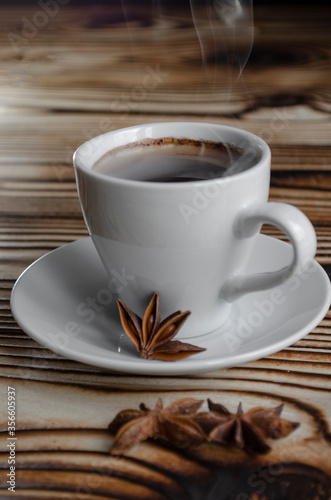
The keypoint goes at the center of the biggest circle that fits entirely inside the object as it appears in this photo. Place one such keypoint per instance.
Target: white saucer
(47, 299)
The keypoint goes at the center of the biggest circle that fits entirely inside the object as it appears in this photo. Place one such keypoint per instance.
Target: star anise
(153, 338)
(171, 424)
(244, 430)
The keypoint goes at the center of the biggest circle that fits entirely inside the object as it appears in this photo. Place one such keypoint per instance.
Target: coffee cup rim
(88, 153)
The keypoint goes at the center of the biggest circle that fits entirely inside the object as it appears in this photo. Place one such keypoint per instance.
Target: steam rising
(226, 38)
(211, 38)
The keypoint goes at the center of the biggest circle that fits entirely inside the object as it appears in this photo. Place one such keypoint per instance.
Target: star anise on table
(171, 424)
(153, 338)
(244, 430)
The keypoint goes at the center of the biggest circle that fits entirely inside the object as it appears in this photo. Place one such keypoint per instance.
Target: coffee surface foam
(171, 160)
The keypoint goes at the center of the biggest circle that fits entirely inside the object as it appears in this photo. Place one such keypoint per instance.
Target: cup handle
(294, 224)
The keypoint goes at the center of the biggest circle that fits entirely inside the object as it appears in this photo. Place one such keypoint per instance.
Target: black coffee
(172, 160)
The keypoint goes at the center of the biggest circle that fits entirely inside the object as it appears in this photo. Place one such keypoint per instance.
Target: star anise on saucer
(153, 338)
(244, 430)
(171, 424)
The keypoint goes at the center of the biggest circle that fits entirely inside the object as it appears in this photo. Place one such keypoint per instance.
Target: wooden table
(73, 72)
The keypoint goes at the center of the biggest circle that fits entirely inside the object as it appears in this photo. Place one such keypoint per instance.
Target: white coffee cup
(189, 241)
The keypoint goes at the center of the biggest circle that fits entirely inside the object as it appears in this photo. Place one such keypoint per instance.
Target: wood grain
(82, 73)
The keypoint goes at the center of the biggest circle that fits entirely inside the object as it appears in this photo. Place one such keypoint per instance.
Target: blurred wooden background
(74, 72)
